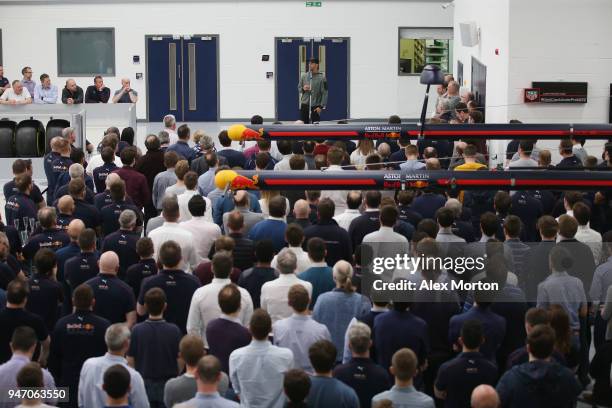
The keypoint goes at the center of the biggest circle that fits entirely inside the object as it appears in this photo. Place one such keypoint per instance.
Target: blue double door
(182, 77)
(292, 56)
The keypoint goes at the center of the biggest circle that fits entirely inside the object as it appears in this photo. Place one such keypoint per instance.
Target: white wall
(247, 30)
(571, 44)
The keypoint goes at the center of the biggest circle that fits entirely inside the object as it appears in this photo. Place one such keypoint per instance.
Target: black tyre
(54, 128)
(30, 139)
(7, 138)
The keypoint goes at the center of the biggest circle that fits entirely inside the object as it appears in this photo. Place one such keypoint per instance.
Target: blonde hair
(343, 274)
(197, 136)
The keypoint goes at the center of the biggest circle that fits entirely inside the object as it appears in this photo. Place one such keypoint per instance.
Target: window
(85, 51)
(421, 46)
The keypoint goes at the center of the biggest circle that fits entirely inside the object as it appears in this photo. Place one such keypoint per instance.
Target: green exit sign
(313, 3)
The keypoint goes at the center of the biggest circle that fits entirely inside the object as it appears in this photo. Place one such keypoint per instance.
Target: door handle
(179, 71)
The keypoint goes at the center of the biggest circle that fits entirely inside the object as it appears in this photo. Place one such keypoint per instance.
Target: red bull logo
(244, 183)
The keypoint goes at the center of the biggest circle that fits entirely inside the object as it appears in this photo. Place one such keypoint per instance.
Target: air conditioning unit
(470, 34)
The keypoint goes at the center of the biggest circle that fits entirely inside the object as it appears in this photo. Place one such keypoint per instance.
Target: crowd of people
(136, 280)
(26, 90)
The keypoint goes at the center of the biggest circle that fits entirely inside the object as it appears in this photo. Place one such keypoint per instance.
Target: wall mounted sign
(561, 92)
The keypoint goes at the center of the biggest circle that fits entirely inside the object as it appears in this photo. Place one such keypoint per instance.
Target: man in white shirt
(334, 161)
(205, 301)
(204, 232)
(294, 234)
(17, 95)
(172, 231)
(274, 293)
(191, 189)
(585, 233)
(170, 128)
(353, 201)
(91, 393)
(299, 331)
(257, 370)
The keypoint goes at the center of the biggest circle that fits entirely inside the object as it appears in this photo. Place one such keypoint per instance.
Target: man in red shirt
(136, 185)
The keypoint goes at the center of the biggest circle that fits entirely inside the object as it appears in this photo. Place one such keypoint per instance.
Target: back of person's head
(343, 274)
(76, 188)
(284, 147)
(117, 190)
(565, 146)
(170, 254)
(541, 341)
(30, 376)
(472, 335)
(170, 159)
(260, 324)
(582, 213)
(294, 234)
(128, 155)
(560, 259)
(87, 240)
(170, 208)
(116, 381)
(548, 226)
(235, 221)
(224, 139)
(262, 160)
(191, 180)
(256, 120)
(277, 206)
(77, 157)
(359, 338)
(191, 349)
(229, 299)
(445, 217)
(152, 142)
(489, 223)
(83, 297)
(428, 226)
(512, 226)
(297, 162)
(23, 339)
(470, 151)
(45, 261)
(181, 168)
(183, 132)
(404, 364)
(222, 264)
(322, 356)
(484, 396)
(372, 199)
(197, 206)
(209, 370)
(388, 215)
(394, 120)
(108, 155)
(502, 202)
(298, 298)
(286, 261)
(127, 219)
(23, 182)
(354, 199)
(145, 248)
(155, 301)
(224, 243)
(308, 147)
(536, 315)
(116, 337)
(316, 249)
(326, 209)
(47, 217)
(296, 385)
(335, 156)
(568, 226)
(264, 251)
(20, 166)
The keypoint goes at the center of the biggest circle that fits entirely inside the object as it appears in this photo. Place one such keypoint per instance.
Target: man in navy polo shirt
(80, 268)
(156, 361)
(361, 373)
(337, 239)
(145, 267)
(82, 210)
(181, 147)
(101, 173)
(104, 198)
(72, 249)
(176, 284)
(76, 338)
(75, 171)
(234, 157)
(110, 213)
(59, 166)
(399, 328)
(123, 242)
(114, 298)
(48, 160)
(45, 291)
(20, 206)
(494, 325)
(51, 237)
(457, 378)
(23, 166)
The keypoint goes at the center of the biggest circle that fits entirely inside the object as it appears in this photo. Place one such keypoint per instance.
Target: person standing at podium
(313, 90)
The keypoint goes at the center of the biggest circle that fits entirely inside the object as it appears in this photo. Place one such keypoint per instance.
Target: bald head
(384, 150)
(65, 205)
(109, 263)
(301, 209)
(75, 228)
(432, 164)
(485, 396)
(56, 144)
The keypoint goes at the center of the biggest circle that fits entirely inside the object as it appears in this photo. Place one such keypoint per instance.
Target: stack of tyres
(7, 138)
(30, 138)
